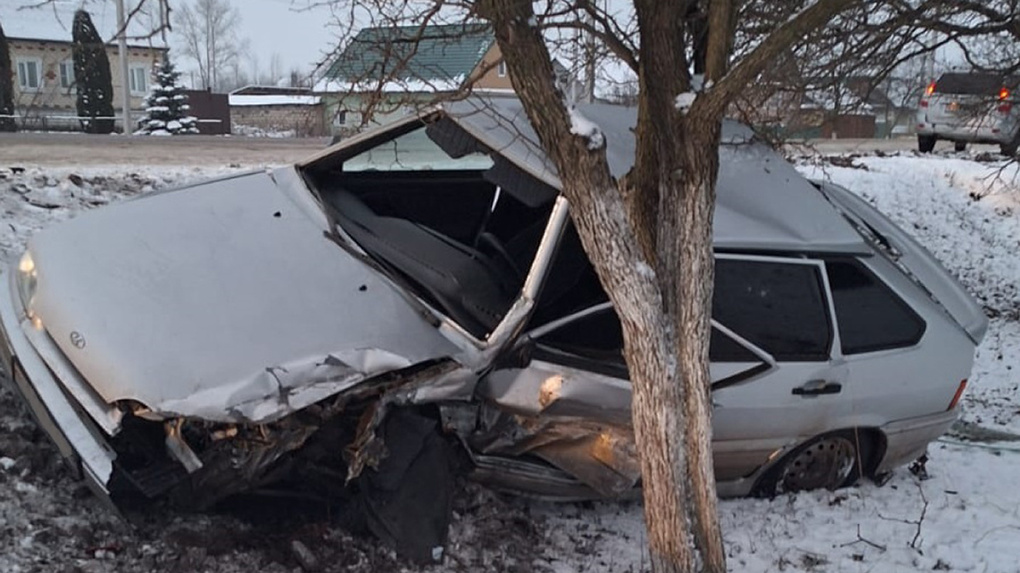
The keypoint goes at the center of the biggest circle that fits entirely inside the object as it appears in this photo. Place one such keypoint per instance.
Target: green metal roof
(427, 53)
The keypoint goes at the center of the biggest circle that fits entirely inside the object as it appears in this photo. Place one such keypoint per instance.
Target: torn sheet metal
(179, 449)
(556, 390)
(280, 390)
(368, 447)
(602, 456)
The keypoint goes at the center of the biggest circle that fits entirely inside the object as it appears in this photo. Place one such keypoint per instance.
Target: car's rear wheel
(830, 461)
(960, 146)
(925, 143)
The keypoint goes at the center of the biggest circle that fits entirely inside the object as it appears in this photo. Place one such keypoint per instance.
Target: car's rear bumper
(907, 439)
(59, 415)
(985, 134)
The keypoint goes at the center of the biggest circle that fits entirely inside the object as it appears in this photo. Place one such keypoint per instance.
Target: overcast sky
(299, 36)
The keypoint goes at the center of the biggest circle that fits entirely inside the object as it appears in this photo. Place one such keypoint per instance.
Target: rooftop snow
(254, 100)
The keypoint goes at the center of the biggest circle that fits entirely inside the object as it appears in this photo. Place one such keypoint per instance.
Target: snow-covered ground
(965, 518)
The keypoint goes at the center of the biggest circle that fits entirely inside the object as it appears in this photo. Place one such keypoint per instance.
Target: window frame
(898, 300)
(65, 69)
(501, 69)
(550, 353)
(23, 80)
(833, 343)
(146, 74)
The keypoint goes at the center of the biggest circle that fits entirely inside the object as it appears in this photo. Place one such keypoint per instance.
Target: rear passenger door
(780, 306)
(893, 376)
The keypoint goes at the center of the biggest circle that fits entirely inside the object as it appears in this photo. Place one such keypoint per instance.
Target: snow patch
(586, 128)
(684, 101)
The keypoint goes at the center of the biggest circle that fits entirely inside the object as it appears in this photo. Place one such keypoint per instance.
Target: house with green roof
(385, 72)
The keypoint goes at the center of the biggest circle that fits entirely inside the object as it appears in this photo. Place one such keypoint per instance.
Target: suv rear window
(778, 307)
(974, 84)
(871, 317)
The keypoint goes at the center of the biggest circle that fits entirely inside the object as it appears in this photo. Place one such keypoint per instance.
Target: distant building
(849, 107)
(387, 71)
(40, 42)
(277, 110)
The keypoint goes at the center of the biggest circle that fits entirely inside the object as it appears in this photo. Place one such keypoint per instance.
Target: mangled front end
(189, 343)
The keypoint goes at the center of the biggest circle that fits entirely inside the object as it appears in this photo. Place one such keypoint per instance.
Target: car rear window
(779, 307)
(973, 84)
(871, 317)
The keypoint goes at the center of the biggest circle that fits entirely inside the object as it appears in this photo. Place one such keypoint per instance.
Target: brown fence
(212, 111)
(849, 127)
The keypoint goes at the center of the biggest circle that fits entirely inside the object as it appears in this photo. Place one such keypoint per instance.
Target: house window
(30, 74)
(501, 69)
(139, 76)
(67, 74)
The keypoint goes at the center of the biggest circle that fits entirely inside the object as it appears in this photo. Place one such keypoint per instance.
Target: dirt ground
(64, 149)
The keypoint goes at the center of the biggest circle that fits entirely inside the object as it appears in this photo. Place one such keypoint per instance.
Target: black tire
(829, 461)
(960, 146)
(925, 143)
(1010, 149)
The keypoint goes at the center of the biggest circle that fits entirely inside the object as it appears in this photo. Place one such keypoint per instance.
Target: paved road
(68, 149)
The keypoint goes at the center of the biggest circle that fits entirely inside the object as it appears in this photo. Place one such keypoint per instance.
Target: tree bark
(659, 333)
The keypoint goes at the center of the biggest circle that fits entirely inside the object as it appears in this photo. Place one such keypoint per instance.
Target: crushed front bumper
(59, 415)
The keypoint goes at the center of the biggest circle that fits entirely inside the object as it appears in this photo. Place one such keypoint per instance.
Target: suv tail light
(924, 103)
(1004, 93)
(930, 89)
(1006, 108)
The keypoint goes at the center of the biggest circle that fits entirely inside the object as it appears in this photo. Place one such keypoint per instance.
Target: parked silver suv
(970, 108)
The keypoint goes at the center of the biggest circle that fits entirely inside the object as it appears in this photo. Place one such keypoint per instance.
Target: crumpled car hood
(224, 300)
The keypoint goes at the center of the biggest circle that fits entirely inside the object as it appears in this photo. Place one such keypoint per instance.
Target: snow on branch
(586, 128)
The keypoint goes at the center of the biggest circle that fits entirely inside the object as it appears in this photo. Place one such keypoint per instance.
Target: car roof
(762, 203)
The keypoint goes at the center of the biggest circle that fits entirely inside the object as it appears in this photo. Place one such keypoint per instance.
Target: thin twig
(861, 539)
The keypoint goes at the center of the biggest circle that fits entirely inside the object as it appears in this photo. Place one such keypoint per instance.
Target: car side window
(598, 336)
(871, 317)
(779, 307)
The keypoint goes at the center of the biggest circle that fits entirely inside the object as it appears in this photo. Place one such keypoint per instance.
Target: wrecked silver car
(420, 288)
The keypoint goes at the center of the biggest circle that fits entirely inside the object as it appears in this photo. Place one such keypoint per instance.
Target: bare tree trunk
(670, 407)
(691, 301)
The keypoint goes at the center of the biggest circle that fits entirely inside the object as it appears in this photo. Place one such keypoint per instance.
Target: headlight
(27, 282)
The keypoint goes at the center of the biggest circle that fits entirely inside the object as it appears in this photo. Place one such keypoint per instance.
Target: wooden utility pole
(125, 85)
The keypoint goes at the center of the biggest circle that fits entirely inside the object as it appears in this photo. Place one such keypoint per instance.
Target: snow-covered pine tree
(7, 122)
(167, 105)
(91, 76)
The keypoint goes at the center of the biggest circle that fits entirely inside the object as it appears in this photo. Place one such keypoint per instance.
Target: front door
(774, 379)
